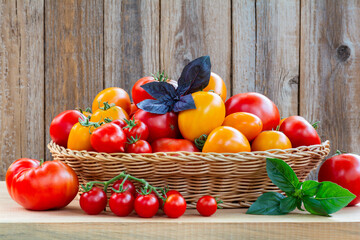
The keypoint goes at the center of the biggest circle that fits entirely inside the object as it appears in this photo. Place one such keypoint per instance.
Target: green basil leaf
(333, 197)
(288, 204)
(299, 204)
(310, 188)
(282, 175)
(314, 206)
(267, 204)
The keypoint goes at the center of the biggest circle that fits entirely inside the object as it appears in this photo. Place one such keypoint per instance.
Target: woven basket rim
(271, 153)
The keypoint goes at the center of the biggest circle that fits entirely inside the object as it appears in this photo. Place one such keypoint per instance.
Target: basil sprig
(318, 198)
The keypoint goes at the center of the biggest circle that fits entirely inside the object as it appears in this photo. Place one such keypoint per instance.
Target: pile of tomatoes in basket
(191, 114)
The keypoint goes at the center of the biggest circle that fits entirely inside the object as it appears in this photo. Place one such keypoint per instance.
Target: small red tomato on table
(93, 201)
(146, 206)
(122, 203)
(175, 205)
(207, 205)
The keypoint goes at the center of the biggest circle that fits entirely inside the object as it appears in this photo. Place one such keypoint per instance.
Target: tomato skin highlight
(256, 104)
(122, 204)
(209, 114)
(217, 84)
(344, 170)
(226, 139)
(247, 123)
(206, 206)
(109, 138)
(94, 201)
(159, 125)
(146, 206)
(52, 185)
(175, 206)
(115, 95)
(270, 140)
(61, 125)
(173, 145)
(299, 131)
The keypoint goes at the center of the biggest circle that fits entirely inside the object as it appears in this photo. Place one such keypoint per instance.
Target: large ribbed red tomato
(256, 104)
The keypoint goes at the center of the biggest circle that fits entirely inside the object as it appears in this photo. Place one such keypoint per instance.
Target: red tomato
(175, 206)
(61, 125)
(136, 129)
(168, 194)
(120, 122)
(256, 104)
(128, 186)
(299, 131)
(344, 170)
(109, 138)
(146, 206)
(49, 186)
(122, 204)
(139, 146)
(159, 125)
(94, 201)
(173, 145)
(207, 206)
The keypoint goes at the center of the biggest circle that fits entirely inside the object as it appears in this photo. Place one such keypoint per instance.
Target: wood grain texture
(21, 81)
(277, 53)
(131, 41)
(73, 55)
(329, 84)
(191, 29)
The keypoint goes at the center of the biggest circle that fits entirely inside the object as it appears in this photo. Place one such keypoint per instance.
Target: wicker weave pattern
(237, 178)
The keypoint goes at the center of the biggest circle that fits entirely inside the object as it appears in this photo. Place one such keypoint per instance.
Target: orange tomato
(134, 108)
(115, 95)
(281, 121)
(247, 123)
(209, 114)
(79, 138)
(108, 111)
(270, 140)
(217, 85)
(226, 139)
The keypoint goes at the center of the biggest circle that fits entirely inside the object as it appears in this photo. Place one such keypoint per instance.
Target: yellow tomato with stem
(247, 123)
(79, 137)
(268, 140)
(209, 114)
(216, 84)
(226, 139)
(109, 111)
(115, 95)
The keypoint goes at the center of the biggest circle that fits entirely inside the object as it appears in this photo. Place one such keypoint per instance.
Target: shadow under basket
(238, 179)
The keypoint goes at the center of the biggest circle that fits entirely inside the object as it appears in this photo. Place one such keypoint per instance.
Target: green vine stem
(200, 141)
(130, 123)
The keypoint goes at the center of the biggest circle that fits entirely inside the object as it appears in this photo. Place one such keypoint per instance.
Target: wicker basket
(237, 178)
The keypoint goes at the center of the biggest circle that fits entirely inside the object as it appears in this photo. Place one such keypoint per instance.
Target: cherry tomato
(41, 187)
(344, 170)
(217, 85)
(207, 205)
(209, 114)
(138, 146)
(299, 131)
(112, 113)
(115, 95)
(256, 104)
(173, 145)
(270, 140)
(168, 194)
(94, 201)
(79, 137)
(247, 123)
(159, 125)
(122, 204)
(146, 206)
(136, 129)
(128, 186)
(109, 138)
(61, 125)
(175, 206)
(226, 139)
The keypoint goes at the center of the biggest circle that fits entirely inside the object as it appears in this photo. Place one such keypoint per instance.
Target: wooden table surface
(72, 223)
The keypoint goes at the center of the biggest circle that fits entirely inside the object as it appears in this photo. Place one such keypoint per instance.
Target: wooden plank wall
(56, 55)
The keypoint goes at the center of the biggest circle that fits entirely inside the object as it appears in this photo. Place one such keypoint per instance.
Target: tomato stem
(107, 106)
(200, 141)
(130, 123)
(41, 162)
(218, 201)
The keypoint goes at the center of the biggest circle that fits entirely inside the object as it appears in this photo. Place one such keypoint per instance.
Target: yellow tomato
(217, 85)
(209, 114)
(247, 123)
(114, 112)
(270, 140)
(79, 138)
(226, 139)
(115, 95)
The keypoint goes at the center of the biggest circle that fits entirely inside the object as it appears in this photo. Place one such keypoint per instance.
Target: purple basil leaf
(154, 106)
(195, 76)
(186, 102)
(159, 89)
